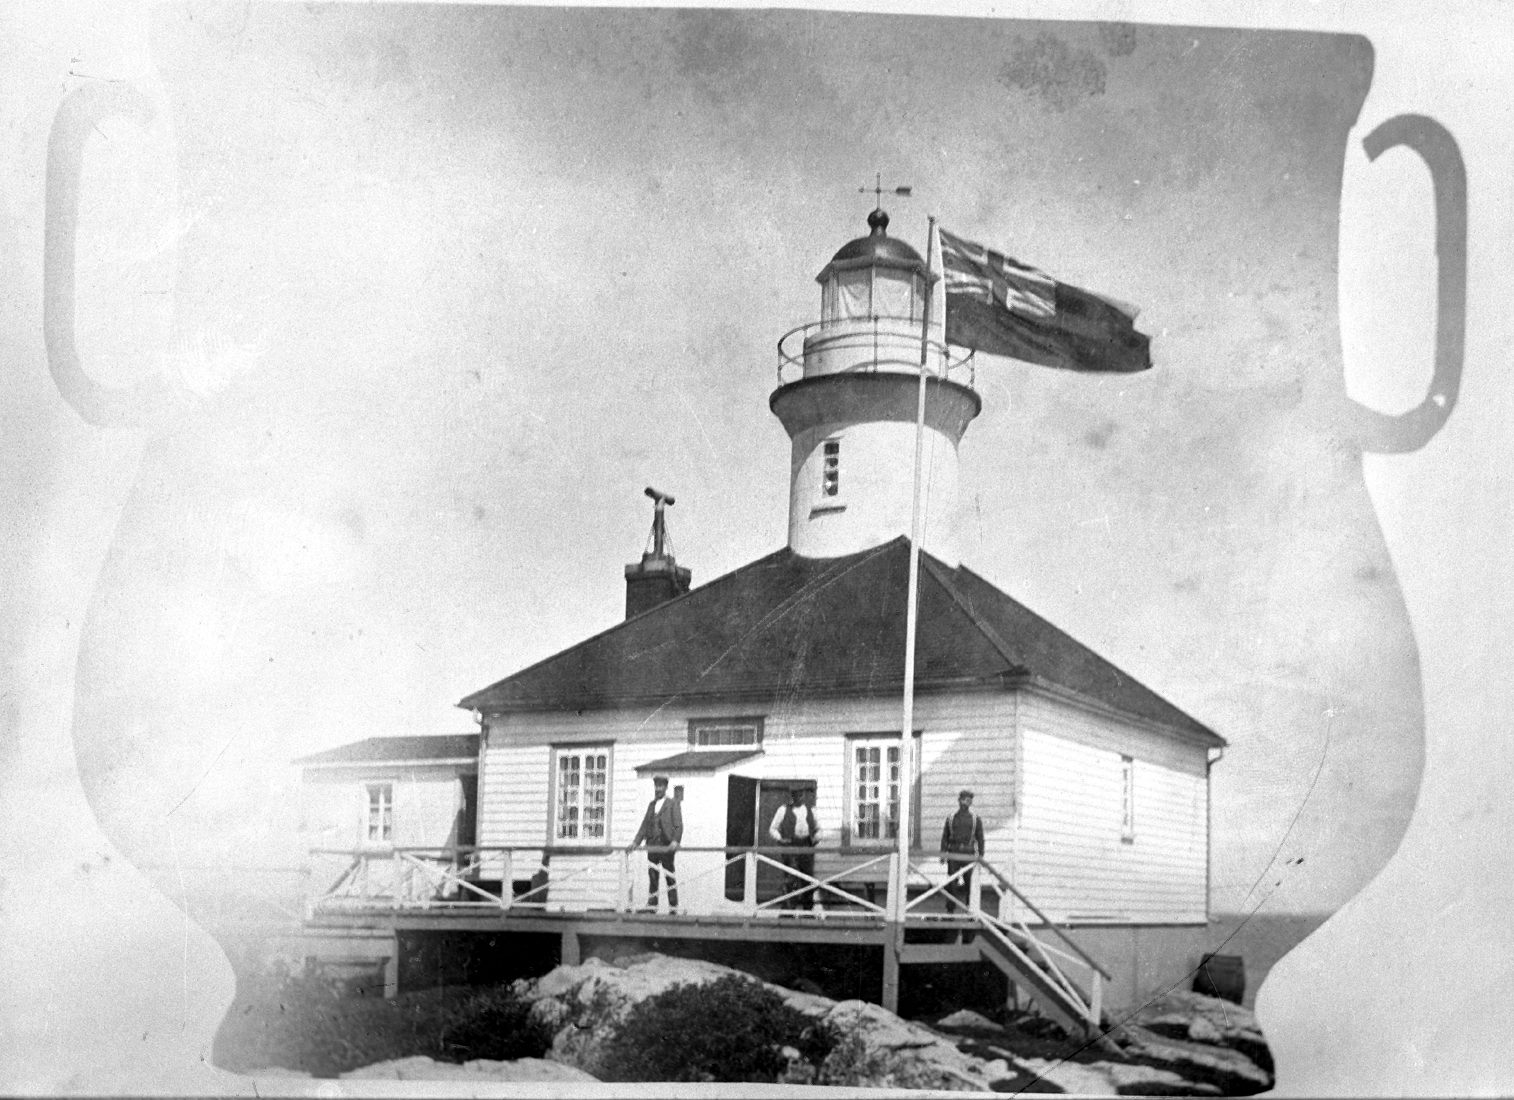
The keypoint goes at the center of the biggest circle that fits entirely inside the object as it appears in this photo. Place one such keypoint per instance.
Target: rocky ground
(1183, 1044)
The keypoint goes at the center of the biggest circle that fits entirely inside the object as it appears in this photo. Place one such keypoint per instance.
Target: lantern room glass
(871, 292)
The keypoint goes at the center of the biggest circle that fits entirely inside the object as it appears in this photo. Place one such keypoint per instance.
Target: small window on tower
(830, 470)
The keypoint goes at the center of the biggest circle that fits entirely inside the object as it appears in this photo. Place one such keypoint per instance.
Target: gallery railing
(879, 343)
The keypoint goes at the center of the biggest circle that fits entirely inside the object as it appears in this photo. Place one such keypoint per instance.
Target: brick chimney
(657, 577)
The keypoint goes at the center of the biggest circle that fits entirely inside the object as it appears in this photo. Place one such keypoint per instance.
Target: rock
(1182, 1044)
(1201, 1030)
(1176, 1013)
(1108, 1078)
(1223, 1067)
(526, 1069)
(879, 1050)
(967, 1020)
(586, 1004)
(420, 1068)
(1206, 1039)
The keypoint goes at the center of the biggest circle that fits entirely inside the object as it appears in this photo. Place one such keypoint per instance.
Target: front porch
(732, 894)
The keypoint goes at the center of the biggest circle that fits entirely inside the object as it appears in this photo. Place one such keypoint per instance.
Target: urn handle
(1384, 433)
(79, 113)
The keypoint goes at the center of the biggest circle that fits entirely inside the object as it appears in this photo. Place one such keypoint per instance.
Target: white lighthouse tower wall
(874, 489)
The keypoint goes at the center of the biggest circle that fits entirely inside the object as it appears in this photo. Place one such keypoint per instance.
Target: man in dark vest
(962, 838)
(662, 829)
(794, 826)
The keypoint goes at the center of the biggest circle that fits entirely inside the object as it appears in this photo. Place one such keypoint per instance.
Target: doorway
(750, 805)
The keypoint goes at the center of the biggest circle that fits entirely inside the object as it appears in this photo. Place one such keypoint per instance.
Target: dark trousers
(661, 861)
(801, 860)
(961, 890)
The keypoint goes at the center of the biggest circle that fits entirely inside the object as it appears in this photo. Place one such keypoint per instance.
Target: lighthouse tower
(848, 396)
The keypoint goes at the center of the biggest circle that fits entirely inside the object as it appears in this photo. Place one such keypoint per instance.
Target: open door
(467, 812)
(773, 794)
(740, 831)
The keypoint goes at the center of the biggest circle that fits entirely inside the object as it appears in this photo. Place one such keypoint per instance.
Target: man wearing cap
(661, 828)
(794, 826)
(962, 836)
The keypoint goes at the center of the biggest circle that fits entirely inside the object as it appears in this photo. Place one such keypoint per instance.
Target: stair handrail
(1021, 929)
(999, 928)
(1089, 1006)
(1088, 960)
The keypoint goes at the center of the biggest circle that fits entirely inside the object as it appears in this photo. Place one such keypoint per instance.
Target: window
(581, 794)
(719, 733)
(380, 828)
(1127, 818)
(873, 790)
(894, 293)
(830, 468)
(854, 294)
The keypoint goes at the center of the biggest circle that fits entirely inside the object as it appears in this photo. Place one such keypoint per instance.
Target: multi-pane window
(581, 799)
(830, 468)
(1127, 798)
(380, 813)
(717, 733)
(873, 786)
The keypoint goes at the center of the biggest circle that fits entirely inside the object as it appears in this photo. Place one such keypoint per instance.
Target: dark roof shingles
(786, 625)
(378, 750)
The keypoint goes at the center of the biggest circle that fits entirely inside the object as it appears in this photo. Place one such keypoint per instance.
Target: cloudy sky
(452, 285)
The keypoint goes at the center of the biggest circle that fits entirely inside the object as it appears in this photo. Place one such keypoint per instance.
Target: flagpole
(912, 611)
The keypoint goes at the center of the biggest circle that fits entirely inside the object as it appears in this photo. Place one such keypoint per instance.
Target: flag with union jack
(998, 305)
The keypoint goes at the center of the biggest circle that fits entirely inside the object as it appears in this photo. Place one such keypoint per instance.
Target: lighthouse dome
(877, 248)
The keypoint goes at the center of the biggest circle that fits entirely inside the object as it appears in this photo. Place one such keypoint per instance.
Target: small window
(830, 468)
(720, 733)
(1127, 818)
(581, 794)
(380, 813)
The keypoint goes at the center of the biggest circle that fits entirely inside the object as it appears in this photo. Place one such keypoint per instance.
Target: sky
(450, 286)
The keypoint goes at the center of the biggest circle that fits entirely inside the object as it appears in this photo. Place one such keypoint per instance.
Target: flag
(998, 305)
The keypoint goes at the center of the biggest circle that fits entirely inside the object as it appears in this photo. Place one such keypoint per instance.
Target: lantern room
(873, 276)
(873, 298)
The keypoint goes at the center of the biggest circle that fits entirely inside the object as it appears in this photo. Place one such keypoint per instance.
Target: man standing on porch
(962, 836)
(794, 826)
(662, 829)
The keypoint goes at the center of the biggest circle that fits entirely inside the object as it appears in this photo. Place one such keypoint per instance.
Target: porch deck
(732, 894)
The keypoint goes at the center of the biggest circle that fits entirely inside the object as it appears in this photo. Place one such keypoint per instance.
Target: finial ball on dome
(877, 221)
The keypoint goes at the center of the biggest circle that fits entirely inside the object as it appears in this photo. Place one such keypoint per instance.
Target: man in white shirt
(794, 826)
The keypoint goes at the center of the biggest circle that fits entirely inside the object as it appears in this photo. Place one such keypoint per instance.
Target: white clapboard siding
(1072, 859)
(967, 741)
(424, 808)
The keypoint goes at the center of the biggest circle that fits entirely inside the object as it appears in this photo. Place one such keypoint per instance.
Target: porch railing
(848, 882)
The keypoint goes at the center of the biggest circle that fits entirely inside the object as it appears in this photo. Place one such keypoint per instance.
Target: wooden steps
(1069, 1010)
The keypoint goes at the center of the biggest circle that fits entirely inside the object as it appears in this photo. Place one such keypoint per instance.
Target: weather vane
(877, 189)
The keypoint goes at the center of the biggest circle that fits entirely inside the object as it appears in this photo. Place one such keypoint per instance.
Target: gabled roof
(786, 625)
(399, 750)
